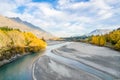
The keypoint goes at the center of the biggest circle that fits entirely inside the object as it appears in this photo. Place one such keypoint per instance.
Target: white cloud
(63, 2)
(67, 17)
(6, 7)
(21, 2)
(104, 9)
(105, 14)
(101, 4)
(80, 5)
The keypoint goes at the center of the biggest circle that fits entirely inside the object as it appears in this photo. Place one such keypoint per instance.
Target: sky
(65, 17)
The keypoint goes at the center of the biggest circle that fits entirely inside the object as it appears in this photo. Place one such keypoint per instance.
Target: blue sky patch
(80, 0)
(21, 9)
(50, 1)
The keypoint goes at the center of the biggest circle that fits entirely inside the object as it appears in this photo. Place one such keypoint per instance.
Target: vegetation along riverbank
(14, 43)
(111, 40)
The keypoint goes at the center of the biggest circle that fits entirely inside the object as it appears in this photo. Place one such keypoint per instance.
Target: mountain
(4, 21)
(17, 19)
(99, 32)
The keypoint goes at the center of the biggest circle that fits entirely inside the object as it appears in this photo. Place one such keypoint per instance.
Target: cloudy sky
(65, 17)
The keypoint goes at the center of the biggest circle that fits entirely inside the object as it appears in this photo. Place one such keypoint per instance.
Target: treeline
(14, 41)
(6, 28)
(111, 40)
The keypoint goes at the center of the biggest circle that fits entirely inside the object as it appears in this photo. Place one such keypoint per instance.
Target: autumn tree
(112, 39)
(117, 46)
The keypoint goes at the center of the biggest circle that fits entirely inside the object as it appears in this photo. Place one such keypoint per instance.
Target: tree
(102, 41)
(98, 40)
(117, 46)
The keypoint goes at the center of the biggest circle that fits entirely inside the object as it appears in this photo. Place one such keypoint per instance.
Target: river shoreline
(2, 63)
(5, 61)
(13, 53)
(107, 45)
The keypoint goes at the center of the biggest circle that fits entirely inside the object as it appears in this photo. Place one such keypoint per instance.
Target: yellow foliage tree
(115, 36)
(98, 40)
(33, 42)
(13, 41)
(17, 38)
(113, 39)
(117, 46)
(102, 41)
(4, 39)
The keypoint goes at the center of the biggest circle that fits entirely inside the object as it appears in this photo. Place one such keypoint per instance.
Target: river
(21, 69)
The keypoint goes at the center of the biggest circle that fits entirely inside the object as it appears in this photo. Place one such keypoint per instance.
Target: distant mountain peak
(17, 19)
(99, 32)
